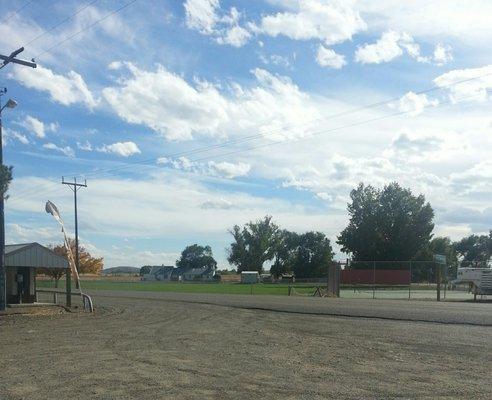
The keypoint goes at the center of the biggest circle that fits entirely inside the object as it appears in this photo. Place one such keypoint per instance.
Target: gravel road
(182, 346)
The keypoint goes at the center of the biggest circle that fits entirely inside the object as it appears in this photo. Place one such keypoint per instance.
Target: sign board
(440, 259)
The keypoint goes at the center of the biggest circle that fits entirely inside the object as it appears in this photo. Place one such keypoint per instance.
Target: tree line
(388, 224)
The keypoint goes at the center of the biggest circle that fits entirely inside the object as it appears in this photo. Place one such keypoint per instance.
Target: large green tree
(196, 256)
(387, 224)
(312, 256)
(254, 244)
(475, 250)
(424, 268)
(307, 255)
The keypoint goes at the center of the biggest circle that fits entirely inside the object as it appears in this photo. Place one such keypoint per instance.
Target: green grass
(222, 288)
(418, 291)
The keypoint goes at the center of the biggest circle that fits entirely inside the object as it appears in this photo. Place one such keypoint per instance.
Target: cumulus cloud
(222, 169)
(123, 149)
(229, 170)
(203, 16)
(329, 58)
(414, 104)
(467, 84)
(178, 110)
(442, 54)
(67, 150)
(64, 89)
(331, 22)
(385, 49)
(36, 127)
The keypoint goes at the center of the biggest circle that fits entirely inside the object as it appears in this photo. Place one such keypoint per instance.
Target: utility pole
(3, 281)
(74, 186)
(10, 104)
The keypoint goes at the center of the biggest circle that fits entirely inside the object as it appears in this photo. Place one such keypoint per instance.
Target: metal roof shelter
(21, 262)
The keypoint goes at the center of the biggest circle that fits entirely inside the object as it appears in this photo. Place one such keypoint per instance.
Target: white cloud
(9, 134)
(218, 204)
(67, 150)
(414, 104)
(123, 149)
(222, 169)
(390, 46)
(432, 19)
(384, 50)
(329, 58)
(64, 89)
(34, 126)
(85, 146)
(229, 170)
(202, 15)
(331, 22)
(115, 65)
(442, 54)
(474, 83)
(235, 36)
(178, 110)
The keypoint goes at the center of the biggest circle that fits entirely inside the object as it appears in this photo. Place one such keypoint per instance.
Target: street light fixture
(3, 284)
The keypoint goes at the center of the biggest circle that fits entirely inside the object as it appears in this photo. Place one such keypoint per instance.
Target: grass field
(221, 288)
(417, 292)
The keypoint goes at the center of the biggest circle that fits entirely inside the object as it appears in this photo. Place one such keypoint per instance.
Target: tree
(254, 244)
(387, 224)
(312, 256)
(426, 271)
(87, 263)
(475, 249)
(5, 179)
(196, 256)
(287, 245)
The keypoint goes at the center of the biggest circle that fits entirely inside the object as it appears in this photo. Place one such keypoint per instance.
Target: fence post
(410, 283)
(438, 278)
(374, 279)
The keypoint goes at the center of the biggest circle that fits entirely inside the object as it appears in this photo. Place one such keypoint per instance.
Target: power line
(46, 31)
(86, 28)
(262, 135)
(324, 131)
(11, 14)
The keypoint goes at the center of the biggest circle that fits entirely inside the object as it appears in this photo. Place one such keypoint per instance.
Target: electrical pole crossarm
(11, 59)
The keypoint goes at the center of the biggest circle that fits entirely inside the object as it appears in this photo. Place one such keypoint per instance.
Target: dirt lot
(160, 348)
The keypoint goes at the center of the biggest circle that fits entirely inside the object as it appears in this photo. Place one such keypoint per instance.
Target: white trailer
(250, 277)
(479, 279)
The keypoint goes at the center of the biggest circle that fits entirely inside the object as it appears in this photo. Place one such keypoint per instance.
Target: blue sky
(187, 117)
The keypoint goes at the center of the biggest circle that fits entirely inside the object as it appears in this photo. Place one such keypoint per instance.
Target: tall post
(3, 285)
(438, 279)
(77, 263)
(374, 279)
(75, 187)
(410, 283)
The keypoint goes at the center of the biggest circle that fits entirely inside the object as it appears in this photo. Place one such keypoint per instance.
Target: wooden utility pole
(75, 187)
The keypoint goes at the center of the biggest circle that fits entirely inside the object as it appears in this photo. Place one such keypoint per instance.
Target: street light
(10, 104)
(3, 287)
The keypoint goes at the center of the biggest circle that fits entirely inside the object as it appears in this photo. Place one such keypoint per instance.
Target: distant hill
(121, 270)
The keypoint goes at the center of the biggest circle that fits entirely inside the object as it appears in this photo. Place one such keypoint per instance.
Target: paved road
(402, 310)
